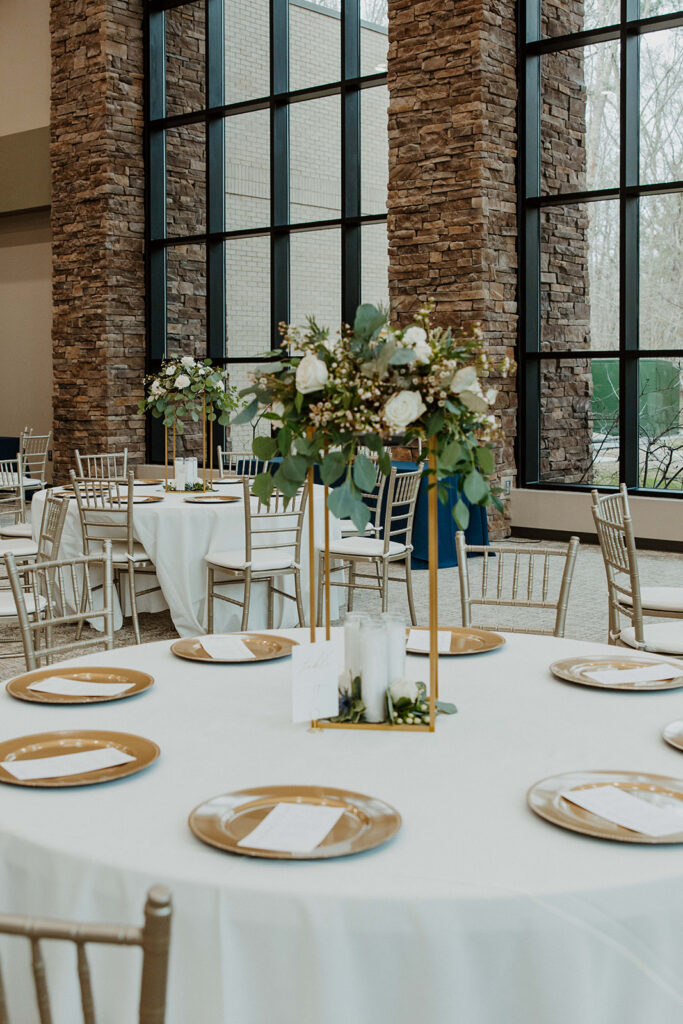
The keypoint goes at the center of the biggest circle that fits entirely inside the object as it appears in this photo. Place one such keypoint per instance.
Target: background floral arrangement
(328, 395)
(182, 387)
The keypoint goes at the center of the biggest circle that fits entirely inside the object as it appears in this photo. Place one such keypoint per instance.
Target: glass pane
(185, 59)
(559, 17)
(247, 50)
(247, 163)
(374, 264)
(655, 8)
(315, 160)
(314, 43)
(580, 119)
(580, 421)
(660, 423)
(247, 291)
(661, 231)
(240, 437)
(315, 277)
(661, 106)
(186, 301)
(374, 41)
(374, 148)
(186, 180)
(580, 276)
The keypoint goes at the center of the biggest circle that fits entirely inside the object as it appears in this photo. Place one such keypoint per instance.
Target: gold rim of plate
(148, 483)
(366, 822)
(673, 734)
(151, 499)
(545, 799)
(72, 741)
(464, 640)
(211, 498)
(263, 646)
(19, 686)
(575, 670)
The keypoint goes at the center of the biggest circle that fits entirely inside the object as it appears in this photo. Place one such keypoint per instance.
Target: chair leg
(409, 588)
(247, 599)
(299, 598)
(385, 584)
(321, 573)
(352, 583)
(209, 602)
(271, 600)
(133, 602)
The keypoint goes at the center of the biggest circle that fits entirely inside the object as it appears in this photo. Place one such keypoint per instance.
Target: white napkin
(295, 828)
(66, 764)
(418, 640)
(232, 648)
(648, 674)
(627, 810)
(78, 687)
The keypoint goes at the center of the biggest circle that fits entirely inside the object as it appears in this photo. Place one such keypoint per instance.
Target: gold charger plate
(546, 800)
(262, 646)
(365, 823)
(147, 483)
(673, 734)
(72, 741)
(212, 498)
(575, 670)
(151, 499)
(464, 640)
(19, 686)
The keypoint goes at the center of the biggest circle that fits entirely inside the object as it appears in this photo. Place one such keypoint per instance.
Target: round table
(477, 911)
(177, 535)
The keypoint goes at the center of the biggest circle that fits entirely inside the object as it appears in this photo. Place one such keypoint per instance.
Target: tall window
(267, 156)
(601, 258)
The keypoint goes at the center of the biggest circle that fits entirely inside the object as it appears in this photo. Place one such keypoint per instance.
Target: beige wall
(24, 65)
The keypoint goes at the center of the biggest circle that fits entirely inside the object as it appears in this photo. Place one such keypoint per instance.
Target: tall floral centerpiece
(186, 388)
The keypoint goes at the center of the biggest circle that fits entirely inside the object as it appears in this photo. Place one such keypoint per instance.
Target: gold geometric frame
(204, 411)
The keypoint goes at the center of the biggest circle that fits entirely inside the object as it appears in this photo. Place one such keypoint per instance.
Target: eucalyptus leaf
(287, 486)
(264, 447)
(263, 487)
(445, 708)
(435, 423)
(402, 356)
(452, 454)
(364, 473)
(461, 514)
(368, 320)
(476, 488)
(484, 457)
(247, 414)
(284, 440)
(332, 467)
(384, 463)
(294, 468)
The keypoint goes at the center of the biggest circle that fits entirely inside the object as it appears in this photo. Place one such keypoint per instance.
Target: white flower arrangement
(183, 387)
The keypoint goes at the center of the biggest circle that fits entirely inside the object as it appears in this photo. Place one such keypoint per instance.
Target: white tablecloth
(177, 534)
(477, 912)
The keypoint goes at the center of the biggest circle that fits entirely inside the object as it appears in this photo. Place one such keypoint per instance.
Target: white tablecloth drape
(477, 912)
(177, 535)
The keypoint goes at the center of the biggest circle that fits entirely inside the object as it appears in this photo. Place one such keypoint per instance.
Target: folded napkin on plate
(226, 647)
(648, 674)
(293, 828)
(418, 640)
(78, 687)
(66, 764)
(629, 811)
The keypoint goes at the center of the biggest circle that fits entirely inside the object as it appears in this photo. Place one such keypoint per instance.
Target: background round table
(477, 912)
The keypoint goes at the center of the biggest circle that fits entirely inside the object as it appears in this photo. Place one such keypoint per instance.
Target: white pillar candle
(396, 645)
(352, 622)
(179, 474)
(374, 677)
(191, 466)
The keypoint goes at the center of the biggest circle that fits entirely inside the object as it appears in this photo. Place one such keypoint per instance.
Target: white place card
(315, 672)
(627, 810)
(293, 828)
(648, 674)
(226, 648)
(66, 764)
(418, 640)
(78, 687)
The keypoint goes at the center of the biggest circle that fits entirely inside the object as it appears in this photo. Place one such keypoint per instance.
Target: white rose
(182, 381)
(404, 688)
(466, 386)
(402, 409)
(491, 395)
(416, 339)
(156, 389)
(170, 370)
(463, 379)
(219, 385)
(311, 374)
(332, 344)
(187, 361)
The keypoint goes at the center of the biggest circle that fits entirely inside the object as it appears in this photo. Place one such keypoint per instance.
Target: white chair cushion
(17, 530)
(368, 547)
(9, 609)
(661, 599)
(20, 547)
(262, 560)
(349, 530)
(119, 552)
(661, 638)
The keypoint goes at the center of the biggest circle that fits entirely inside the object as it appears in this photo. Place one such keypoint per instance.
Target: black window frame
(214, 116)
(532, 45)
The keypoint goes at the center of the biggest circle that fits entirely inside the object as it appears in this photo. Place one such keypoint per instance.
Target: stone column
(98, 217)
(452, 148)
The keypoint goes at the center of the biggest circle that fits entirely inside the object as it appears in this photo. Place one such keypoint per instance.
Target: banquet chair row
(153, 938)
(34, 450)
(239, 464)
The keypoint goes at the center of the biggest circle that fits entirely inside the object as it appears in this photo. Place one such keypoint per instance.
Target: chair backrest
(153, 938)
(614, 526)
(399, 514)
(515, 581)
(34, 450)
(103, 465)
(45, 591)
(105, 508)
(52, 527)
(239, 464)
(12, 501)
(275, 524)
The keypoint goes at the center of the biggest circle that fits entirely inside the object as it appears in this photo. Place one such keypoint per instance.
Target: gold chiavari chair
(12, 500)
(378, 552)
(103, 465)
(106, 509)
(34, 449)
(153, 938)
(49, 537)
(627, 599)
(239, 464)
(519, 587)
(273, 535)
